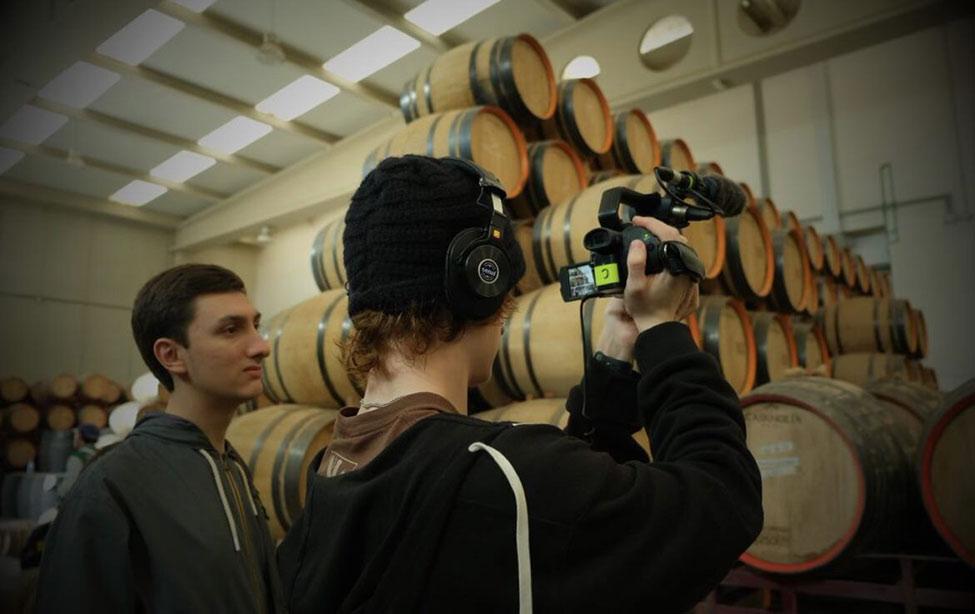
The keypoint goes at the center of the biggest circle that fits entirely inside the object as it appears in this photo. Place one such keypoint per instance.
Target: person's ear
(169, 354)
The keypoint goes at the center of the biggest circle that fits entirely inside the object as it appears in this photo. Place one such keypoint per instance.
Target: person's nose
(259, 347)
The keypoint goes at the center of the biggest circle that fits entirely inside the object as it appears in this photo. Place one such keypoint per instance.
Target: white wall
(67, 283)
(829, 127)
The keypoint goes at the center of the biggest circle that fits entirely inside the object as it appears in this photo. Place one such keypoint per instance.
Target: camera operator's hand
(654, 299)
(619, 331)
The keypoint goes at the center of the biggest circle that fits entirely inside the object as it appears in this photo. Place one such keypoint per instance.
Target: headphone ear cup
(477, 275)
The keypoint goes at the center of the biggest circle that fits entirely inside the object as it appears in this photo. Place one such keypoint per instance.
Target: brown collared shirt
(359, 437)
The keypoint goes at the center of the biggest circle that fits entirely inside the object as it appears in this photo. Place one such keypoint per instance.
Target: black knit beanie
(397, 230)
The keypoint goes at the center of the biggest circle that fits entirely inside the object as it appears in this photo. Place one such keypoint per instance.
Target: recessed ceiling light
(32, 125)
(379, 49)
(582, 67)
(297, 98)
(9, 157)
(80, 85)
(134, 43)
(197, 6)
(438, 16)
(182, 166)
(234, 135)
(138, 193)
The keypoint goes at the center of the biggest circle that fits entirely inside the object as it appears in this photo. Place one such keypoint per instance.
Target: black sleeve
(86, 565)
(668, 531)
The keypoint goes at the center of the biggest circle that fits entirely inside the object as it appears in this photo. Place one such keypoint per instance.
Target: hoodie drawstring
(247, 486)
(223, 498)
(521, 525)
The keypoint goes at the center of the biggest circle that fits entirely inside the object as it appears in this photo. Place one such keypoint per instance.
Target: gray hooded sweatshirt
(161, 523)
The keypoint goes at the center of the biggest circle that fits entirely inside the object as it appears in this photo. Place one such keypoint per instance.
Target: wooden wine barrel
(635, 149)
(834, 476)
(60, 417)
(600, 176)
(327, 256)
(945, 472)
(56, 447)
(903, 327)
(834, 256)
(885, 284)
(789, 288)
(862, 368)
(749, 268)
(922, 334)
(278, 444)
(849, 277)
(775, 346)
(675, 154)
(22, 418)
(750, 200)
(582, 119)
(18, 452)
(811, 304)
(99, 389)
(484, 135)
(511, 72)
(544, 411)
(709, 168)
(790, 221)
(64, 387)
(555, 174)
(863, 275)
(530, 281)
(814, 249)
(909, 403)
(929, 377)
(727, 334)
(13, 390)
(93, 414)
(541, 347)
(770, 213)
(859, 324)
(305, 365)
(829, 292)
(811, 347)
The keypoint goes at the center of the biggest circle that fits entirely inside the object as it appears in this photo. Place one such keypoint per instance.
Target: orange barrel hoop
(770, 213)
(863, 275)
(709, 168)
(484, 135)
(834, 256)
(811, 348)
(305, 364)
(814, 248)
(922, 334)
(582, 118)
(511, 72)
(676, 154)
(728, 335)
(849, 277)
(750, 200)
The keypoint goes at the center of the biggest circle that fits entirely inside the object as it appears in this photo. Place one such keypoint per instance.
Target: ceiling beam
(111, 167)
(207, 95)
(31, 193)
(151, 133)
(562, 10)
(380, 12)
(242, 34)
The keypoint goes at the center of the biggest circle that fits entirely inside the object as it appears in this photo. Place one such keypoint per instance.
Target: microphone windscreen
(726, 194)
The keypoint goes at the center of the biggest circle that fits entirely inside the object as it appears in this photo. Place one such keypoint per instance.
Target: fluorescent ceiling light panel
(297, 98)
(182, 166)
(379, 49)
(235, 135)
(9, 157)
(80, 85)
(438, 16)
(197, 6)
(145, 34)
(32, 125)
(138, 193)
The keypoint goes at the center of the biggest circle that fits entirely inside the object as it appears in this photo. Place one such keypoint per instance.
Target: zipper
(246, 541)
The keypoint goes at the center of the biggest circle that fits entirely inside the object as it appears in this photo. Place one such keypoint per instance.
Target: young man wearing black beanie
(419, 508)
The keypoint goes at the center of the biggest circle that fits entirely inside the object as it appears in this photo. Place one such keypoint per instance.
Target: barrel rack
(784, 592)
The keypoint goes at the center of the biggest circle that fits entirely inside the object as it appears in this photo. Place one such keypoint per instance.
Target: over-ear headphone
(478, 270)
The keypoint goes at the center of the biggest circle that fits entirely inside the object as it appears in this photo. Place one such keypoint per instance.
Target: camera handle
(673, 212)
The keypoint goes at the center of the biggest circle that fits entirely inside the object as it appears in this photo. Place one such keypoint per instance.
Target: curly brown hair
(414, 332)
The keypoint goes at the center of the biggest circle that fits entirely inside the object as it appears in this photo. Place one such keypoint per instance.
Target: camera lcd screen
(577, 282)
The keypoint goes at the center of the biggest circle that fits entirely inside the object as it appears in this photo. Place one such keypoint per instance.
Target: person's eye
(229, 330)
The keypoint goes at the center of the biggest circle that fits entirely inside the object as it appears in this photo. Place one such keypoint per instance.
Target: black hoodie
(431, 524)
(161, 523)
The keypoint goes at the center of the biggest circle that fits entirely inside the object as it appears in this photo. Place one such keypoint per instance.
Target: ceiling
(210, 72)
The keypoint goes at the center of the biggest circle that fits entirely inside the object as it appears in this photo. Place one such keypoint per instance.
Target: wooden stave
(708, 316)
(620, 156)
(780, 297)
(814, 247)
(863, 368)
(762, 321)
(733, 275)
(327, 256)
(22, 418)
(770, 213)
(13, 390)
(676, 154)
(802, 331)
(834, 257)
(534, 197)
(904, 337)
(564, 124)
(873, 332)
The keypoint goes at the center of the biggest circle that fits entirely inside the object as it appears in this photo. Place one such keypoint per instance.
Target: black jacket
(161, 523)
(428, 526)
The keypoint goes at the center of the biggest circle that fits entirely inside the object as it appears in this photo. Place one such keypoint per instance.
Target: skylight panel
(197, 6)
(138, 193)
(297, 98)
(438, 16)
(182, 166)
(235, 135)
(376, 51)
(142, 37)
(80, 85)
(32, 125)
(9, 157)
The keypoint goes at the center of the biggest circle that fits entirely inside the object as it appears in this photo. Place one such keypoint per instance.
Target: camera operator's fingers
(661, 230)
(691, 301)
(636, 263)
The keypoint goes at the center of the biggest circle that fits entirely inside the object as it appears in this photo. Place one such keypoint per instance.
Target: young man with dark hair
(419, 508)
(169, 521)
